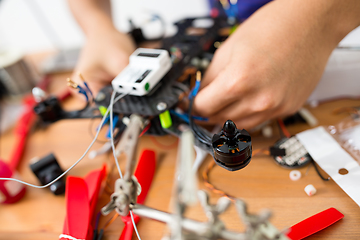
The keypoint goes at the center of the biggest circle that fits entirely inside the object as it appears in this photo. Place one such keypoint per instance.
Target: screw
(161, 106)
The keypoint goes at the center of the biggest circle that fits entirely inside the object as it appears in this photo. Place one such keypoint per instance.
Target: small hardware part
(146, 68)
(232, 147)
(310, 190)
(46, 170)
(295, 175)
(50, 111)
(290, 153)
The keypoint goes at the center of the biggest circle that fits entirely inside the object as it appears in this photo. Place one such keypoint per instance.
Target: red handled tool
(314, 224)
(144, 173)
(81, 199)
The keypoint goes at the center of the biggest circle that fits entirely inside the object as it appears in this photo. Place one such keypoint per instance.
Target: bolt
(161, 106)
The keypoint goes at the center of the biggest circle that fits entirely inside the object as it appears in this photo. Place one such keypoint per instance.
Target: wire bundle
(199, 133)
(83, 90)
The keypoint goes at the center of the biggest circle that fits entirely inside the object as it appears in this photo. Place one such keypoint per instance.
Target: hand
(104, 55)
(269, 66)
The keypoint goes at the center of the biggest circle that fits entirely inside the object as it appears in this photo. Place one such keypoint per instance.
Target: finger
(254, 120)
(96, 78)
(249, 104)
(248, 122)
(218, 63)
(217, 95)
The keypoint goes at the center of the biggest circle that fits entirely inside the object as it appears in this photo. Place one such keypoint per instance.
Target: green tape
(165, 119)
(102, 110)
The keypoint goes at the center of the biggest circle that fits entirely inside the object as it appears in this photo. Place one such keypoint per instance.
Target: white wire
(111, 131)
(72, 166)
(135, 227)
(114, 152)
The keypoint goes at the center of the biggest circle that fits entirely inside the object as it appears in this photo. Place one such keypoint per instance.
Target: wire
(212, 164)
(260, 150)
(91, 124)
(97, 219)
(210, 186)
(283, 129)
(199, 133)
(134, 224)
(318, 172)
(86, 85)
(145, 129)
(113, 148)
(111, 220)
(185, 117)
(74, 85)
(117, 136)
(111, 127)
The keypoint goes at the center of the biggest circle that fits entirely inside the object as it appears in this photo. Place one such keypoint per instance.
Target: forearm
(93, 16)
(303, 28)
(328, 20)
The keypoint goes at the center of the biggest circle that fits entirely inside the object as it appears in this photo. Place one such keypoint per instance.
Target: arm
(106, 51)
(92, 15)
(271, 64)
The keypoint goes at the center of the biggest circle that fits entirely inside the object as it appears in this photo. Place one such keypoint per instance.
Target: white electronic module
(146, 68)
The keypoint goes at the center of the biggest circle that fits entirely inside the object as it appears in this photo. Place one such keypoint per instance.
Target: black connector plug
(232, 147)
(46, 170)
(49, 110)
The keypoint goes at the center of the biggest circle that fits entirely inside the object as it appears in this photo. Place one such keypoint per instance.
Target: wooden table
(262, 184)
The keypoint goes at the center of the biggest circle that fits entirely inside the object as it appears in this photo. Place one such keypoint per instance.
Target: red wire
(283, 128)
(145, 129)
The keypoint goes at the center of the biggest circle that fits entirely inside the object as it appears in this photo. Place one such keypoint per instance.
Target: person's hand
(268, 67)
(104, 55)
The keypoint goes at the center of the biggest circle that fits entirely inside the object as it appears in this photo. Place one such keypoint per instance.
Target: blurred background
(22, 21)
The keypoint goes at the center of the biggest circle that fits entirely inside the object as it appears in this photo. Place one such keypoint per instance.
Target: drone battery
(146, 68)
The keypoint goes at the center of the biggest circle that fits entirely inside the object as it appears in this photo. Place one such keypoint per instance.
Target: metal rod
(187, 224)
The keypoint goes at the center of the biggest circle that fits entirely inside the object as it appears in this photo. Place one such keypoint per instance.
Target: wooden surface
(262, 184)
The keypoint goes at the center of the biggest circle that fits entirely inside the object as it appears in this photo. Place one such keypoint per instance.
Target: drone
(154, 95)
(160, 85)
